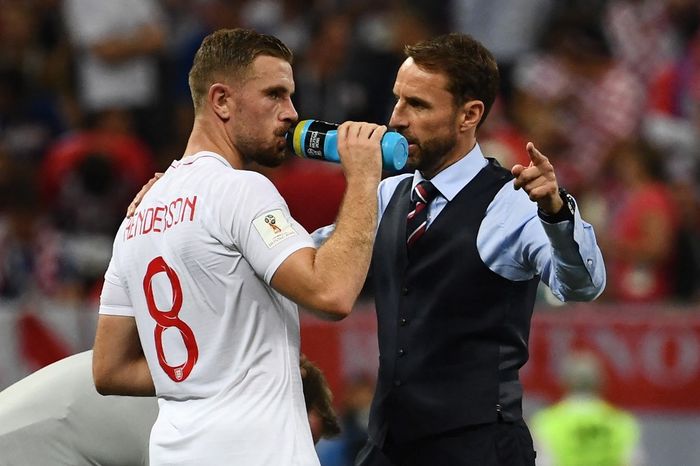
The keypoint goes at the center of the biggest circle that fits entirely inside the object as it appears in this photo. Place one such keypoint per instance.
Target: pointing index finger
(535, 155)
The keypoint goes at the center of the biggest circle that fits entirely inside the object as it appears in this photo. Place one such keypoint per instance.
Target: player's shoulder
(244, 182)
(216, 172)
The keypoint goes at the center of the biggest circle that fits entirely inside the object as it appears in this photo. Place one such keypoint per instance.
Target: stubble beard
(432, 153)
(261, 152)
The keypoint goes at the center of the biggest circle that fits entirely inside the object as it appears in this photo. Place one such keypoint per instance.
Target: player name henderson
(159, 219)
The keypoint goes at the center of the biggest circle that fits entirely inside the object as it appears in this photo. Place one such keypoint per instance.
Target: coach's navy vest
(452, 334)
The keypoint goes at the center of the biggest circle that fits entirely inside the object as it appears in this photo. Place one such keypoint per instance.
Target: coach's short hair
(227, 54)
(470, 68)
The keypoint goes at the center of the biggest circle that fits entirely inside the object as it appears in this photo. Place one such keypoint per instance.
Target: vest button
(403, 322)
(404, 291)
(401, 352)
(397, 383)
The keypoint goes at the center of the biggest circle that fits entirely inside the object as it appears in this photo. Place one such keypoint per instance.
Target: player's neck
(206, 136)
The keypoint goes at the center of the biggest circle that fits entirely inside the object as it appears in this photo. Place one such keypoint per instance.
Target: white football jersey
(193, 266)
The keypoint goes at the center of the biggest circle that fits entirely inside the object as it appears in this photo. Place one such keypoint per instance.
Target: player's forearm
(133, 379)
(328, 280)
(118, 364)
(343, 261)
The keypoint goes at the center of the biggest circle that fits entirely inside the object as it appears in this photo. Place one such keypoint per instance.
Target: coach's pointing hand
(539, 181)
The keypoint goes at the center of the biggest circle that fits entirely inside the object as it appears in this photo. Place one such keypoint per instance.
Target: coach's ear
(470, 114)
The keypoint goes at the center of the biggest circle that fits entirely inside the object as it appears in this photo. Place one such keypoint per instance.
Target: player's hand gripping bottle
(315, 139)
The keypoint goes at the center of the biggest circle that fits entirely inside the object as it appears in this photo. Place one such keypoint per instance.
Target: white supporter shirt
(126, 83)
(199, 255)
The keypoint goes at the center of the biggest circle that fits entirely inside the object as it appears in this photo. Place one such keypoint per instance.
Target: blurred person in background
(673, 120)
(319, 401)
(582, 429)
(382, 30)
(322, 91)
(640, 229)
(33, 80)
(117, 50)
(672, 124)
(510, 30)
(86, 178)
(287, 19)
(34, 263)
(354, 420)
(192, 22)
(642, 34)
(55, 416)
(575, 97)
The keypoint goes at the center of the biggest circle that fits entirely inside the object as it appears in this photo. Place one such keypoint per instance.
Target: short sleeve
(262, 228)
(115, 299)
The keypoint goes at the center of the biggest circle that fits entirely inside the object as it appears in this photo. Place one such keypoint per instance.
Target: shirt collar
(452, 179)
(190, 159)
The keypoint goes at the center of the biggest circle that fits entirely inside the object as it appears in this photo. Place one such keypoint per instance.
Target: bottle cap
(394, 151)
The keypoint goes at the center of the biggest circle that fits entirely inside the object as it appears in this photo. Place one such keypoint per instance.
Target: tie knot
(424, 192)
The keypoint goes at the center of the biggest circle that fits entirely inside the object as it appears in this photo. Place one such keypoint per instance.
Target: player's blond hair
(227, 54)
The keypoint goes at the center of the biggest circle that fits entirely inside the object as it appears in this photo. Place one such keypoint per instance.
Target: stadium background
(610, 90)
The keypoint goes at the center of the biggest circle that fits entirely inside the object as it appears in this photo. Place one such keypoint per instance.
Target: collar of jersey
(199, 155)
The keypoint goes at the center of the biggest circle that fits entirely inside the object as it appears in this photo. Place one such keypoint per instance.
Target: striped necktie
(417, 219)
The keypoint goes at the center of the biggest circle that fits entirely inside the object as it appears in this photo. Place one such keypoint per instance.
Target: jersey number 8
(169, 318)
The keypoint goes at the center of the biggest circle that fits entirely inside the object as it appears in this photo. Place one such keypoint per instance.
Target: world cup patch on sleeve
(273, 227)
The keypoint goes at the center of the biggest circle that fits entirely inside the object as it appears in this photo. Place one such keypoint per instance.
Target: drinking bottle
(315, 139)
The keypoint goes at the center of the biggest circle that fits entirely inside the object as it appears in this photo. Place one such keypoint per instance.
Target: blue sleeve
(514, 243)
(384, 193)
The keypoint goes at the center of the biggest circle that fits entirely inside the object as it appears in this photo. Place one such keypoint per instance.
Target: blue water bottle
(315, 139)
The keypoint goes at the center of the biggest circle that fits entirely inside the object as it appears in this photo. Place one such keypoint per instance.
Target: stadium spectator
(117, 51)
(576, 98)
(639, 236)
(31, 91)
(33, 261)
(672, 125)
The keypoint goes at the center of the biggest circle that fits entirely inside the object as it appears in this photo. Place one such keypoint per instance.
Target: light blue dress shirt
(512, 240)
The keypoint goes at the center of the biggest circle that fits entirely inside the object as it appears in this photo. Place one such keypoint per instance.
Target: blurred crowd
(94, 100)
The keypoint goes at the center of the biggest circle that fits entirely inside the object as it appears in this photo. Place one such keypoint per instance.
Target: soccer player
(200, 298)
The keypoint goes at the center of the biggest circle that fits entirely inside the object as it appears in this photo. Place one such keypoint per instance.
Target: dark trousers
(496, 444)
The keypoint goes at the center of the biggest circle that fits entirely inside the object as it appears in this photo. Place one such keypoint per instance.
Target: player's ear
(220, 98)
